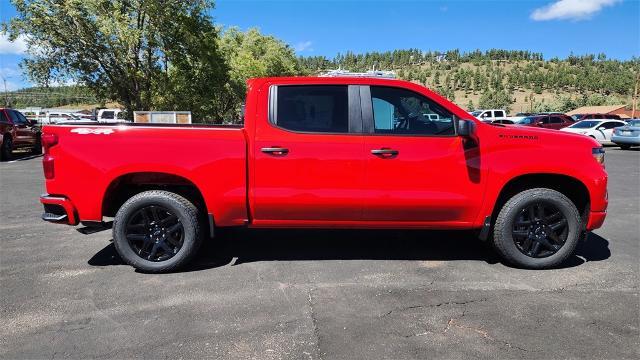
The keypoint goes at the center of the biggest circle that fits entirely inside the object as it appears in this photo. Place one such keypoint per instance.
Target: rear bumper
(596, 219)
(627, 140)
(58, 209)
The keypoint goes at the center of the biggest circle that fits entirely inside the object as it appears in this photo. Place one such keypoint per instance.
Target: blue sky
(314, 27)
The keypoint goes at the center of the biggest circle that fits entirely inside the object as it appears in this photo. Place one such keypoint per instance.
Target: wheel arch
(567, 185)
(123, 187)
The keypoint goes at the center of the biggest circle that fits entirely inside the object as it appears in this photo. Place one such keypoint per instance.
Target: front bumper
(626, 140)
(596, 219)
(58, 209)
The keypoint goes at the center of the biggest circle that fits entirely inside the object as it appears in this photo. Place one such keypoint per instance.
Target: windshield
(577, 117)
(634, 123)
(476, 113)
(585, 124)
(528, 120)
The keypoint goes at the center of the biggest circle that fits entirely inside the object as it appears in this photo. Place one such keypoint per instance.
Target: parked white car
(53, 117)
(111, 116)
(601, 130)
(489, 115)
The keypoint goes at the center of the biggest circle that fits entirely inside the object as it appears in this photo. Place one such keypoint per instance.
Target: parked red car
(327, 152)
(17, 133)
(580, 117)
(547, 121)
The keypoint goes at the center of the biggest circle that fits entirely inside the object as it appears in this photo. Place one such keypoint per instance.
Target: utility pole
(6, 94)
(634, 100)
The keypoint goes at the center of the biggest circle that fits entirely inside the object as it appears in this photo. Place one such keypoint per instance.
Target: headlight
(598, 155)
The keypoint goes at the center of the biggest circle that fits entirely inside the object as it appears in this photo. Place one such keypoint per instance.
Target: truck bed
(91, 159)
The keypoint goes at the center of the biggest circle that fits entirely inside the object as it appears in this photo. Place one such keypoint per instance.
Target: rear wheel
(625, 147)
(37, 147)
(157, 231)
(6, 151)
(537, 229)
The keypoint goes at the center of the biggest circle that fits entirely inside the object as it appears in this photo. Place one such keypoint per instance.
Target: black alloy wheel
(540, 230)
(155, 233)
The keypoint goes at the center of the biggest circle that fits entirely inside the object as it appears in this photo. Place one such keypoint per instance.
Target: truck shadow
(238, 246)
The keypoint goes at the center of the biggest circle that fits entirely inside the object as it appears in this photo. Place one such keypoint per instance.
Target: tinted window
(3, 117)
(498, 113)
(16, 118)
(401, 111)
(313, 108)
(556, 120)
(107, 114)
(545, 120)
(585, 124)
(611, 125)
(528, 120)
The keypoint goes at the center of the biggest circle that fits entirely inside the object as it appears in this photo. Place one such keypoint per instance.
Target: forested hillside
(516, 80)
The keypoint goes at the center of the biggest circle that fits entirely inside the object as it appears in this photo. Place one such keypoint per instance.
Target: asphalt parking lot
(316, 294)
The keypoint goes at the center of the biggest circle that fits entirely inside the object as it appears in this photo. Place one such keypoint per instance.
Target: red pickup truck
(328, 152)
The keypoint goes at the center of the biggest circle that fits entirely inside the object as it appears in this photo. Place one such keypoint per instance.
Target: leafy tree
(250, 55)
(143, 54)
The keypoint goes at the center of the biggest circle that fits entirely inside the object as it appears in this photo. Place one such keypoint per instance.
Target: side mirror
(466, 128)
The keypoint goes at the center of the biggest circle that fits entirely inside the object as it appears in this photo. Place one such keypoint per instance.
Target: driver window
(403, 112)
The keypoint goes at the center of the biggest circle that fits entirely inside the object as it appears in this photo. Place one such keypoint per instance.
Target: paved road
(316, 294)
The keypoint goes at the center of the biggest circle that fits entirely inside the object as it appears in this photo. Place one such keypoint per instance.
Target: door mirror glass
(466, 128)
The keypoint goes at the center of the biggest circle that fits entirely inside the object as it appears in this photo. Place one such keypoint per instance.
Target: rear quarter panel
(89, 158)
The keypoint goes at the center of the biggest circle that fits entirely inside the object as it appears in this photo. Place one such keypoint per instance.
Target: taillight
(48, 141)
(47, 166)
(598, 155)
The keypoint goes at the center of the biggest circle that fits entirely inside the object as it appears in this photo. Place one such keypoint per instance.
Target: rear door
(418, 172)
(555, 122)
(309, 165)
(606, 128)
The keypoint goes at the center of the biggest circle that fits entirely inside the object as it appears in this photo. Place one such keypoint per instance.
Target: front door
(418, 171)
(309, 164)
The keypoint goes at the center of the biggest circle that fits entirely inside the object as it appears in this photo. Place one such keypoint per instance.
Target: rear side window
(321, 108)
(401, 111)
(498, 113)
(3, 117)
(545, 120)
(556, 120)
(611, 125)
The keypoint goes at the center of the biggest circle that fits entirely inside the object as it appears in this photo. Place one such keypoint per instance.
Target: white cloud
(571, 9)
(19, 46)
(304, 46)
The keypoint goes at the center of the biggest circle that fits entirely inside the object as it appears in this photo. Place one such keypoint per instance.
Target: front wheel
(625, 147)
(157, 231)
(537, 229)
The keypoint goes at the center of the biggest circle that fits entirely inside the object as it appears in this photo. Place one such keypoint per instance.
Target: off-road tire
(503, 240)
(182, 208)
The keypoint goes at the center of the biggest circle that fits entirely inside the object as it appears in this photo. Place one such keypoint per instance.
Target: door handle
(275, 150)
(384, 152)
